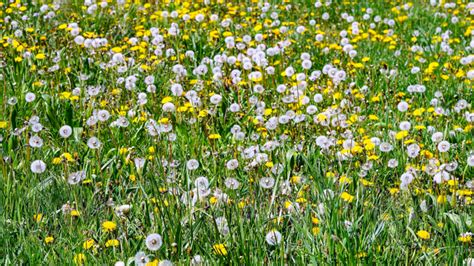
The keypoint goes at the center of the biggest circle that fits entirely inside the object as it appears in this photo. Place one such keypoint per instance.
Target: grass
(331, 192)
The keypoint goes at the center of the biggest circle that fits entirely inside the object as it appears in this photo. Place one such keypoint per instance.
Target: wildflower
(141, 259)
(273, 237)
(30, 97)
(89, 243)
(347, 197)
(443, 146)
(192, 164)
(109, 226)
(112, 243)
(94, 143)
(267, 182)
(465, 237)
(220, 249)
(214, 136)
(425, 235)
(232, 183)
(153, 242)
(37, 217)
(38, 167)
(36, 142)
(197, 260)
(49, 240)
(80, 258)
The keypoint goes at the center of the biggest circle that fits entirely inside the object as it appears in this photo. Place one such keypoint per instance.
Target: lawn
(236, 132)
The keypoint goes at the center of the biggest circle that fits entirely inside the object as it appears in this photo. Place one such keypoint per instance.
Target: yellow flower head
(423, 234)
(109, 226)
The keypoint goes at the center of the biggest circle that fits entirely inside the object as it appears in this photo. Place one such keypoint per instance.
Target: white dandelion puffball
(29, 97)
(93, 143)
(153, 242)
(273, 238)
(192, 164)
(444, 146)
(470, 160)
(165, 263)
(65, 131)
(267, 182)
(38, 167)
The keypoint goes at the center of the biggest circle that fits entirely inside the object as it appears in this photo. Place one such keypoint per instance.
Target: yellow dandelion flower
(49, 240)
(109, 226)
(423, 234)
(112, 243)
(79, 258)
(89, 243)
(347, 197)
(220, 249)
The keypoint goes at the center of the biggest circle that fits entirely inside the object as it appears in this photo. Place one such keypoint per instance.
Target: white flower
(141, 259)
(29, 97)
(139, 162)
(103, 115)
(443, 146)
(441, 176)
(153, 242)
(470, 160)
(38, 167)
(76, 177)
(65, 131)
(437, 137)
(232, 164)
(94, 143)
(197, 260)
(201, 183)
(273, 238)
(165, 263)
(192, 164)
(402, 106)
(36, 142)
(222, 225)
(407, 178)
(267, 182)
(405, 125)
(232, 183)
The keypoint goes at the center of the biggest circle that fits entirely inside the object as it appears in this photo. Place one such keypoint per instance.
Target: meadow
(236, 132)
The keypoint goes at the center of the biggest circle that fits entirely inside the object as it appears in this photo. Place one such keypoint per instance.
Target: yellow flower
(152, 263)
(423, 234)
(442, 199)
(214, 136)
(49, 239)
(38, 217)
(79, 258)
(316, 230)
(40, 56)
(3, 124)
(109, 226)
(315, 220)
(465, 238)
(75, 213)
(151, 149)
(89, 243)
(220, 249)
(402, 134)
(112, 243)
(394, 191)
(347, 197)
